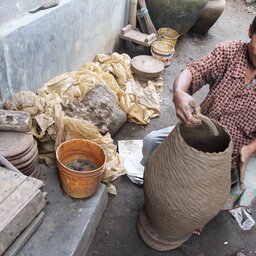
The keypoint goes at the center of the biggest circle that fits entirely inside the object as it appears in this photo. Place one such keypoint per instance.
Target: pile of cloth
(141, 102)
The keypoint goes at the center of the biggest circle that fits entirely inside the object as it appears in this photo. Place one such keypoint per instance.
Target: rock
(100, 107)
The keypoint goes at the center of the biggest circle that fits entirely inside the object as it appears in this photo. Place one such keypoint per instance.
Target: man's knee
(149, 142)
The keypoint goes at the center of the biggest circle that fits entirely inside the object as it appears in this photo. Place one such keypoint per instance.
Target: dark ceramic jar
(177, 14)
(209, 16)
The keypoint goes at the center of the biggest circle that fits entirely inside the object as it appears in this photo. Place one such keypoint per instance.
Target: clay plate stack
(21, 150)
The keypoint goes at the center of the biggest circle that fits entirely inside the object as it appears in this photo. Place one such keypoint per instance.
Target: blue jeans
(152, 141)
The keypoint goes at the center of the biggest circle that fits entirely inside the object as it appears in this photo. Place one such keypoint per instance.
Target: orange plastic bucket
(80, 184)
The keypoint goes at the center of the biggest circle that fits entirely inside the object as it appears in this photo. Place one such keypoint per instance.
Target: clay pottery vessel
(177, 14)
(209, 16)
(186, 183)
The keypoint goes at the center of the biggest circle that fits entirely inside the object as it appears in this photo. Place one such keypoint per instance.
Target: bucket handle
(209, 124)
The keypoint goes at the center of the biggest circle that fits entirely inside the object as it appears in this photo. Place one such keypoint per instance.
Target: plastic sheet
(131, 152)
(141, 102)
(243, 218)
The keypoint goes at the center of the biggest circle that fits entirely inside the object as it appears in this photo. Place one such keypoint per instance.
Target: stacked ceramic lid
(21, 150)
(146, 67)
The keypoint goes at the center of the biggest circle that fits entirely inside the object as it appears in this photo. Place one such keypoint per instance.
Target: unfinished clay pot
(186, 183)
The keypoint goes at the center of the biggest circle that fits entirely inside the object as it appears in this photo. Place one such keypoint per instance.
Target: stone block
(69, 224)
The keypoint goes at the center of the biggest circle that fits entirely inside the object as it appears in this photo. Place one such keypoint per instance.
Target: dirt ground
(117, 233)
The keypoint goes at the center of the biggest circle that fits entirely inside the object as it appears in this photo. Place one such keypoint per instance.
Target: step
(69, 224)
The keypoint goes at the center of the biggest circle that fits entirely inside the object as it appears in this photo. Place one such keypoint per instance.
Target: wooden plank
(15, 120)
(16, 200)
(9, 181)
(7, 164)
(142, 23)
(22, 218)
(140, 38)
(24, 236)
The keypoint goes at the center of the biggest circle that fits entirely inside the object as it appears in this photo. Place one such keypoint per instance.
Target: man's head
(252, 44)
(254, 25)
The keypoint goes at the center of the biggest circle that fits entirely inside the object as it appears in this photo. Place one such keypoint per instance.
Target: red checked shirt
(230, 100)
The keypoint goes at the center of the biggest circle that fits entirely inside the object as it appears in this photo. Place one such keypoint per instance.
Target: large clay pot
(209, 16)
(186, 183)
(177, 14)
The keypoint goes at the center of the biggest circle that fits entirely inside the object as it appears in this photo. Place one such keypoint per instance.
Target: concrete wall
(36, 47)
(11, 9)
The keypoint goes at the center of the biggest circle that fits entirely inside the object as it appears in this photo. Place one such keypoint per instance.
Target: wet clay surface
(117, 233)
(176, 190)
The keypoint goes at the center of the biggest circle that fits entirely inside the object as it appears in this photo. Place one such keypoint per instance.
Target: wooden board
(15, 222)
(24, 236)
(17, 199)
(15, 120)
(10, 181)
(128, 33)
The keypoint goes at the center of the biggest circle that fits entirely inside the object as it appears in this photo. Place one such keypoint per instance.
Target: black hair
(254, 25)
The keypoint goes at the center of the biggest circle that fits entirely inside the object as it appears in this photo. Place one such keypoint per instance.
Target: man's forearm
(182, 82)
(185, 105)
(251, 147)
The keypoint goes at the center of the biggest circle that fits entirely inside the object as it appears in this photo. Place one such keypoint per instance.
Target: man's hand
(186, 108)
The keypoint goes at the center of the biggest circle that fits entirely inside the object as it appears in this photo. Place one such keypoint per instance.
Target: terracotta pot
(186, 183)
(209, 16)
(177, 14)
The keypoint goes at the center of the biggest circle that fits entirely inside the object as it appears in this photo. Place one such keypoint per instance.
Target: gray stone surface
(69, 224)
(10, 9)
(37, 47)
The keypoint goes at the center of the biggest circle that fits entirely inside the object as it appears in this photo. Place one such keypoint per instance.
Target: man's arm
(186, 106)
(245, 153)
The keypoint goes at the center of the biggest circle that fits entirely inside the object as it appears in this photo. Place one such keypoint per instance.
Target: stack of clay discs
(21, 150)
(146, 67)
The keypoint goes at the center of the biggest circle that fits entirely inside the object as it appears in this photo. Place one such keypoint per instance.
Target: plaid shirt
(230, 100)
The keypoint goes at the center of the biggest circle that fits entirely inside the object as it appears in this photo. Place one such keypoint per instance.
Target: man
(230, 72)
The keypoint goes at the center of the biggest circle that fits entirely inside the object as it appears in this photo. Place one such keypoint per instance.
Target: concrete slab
(37, 47)
(69, 224)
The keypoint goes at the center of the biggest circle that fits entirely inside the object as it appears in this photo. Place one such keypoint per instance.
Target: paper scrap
(131, 153)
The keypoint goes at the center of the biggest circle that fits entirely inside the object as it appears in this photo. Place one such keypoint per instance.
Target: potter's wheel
(20, 149)
(152, 238)
(26, 156)
(13, 144)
